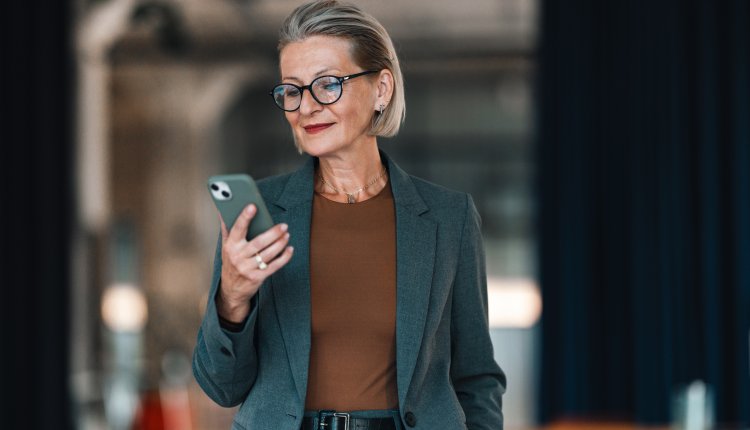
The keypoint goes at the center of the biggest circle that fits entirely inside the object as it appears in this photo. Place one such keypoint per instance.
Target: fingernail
(251, 209)
(291, 249)
(284, 227)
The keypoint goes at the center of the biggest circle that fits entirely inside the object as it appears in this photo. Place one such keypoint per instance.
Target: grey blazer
(447, 377)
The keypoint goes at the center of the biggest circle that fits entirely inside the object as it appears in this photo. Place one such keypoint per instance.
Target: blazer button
(225, 351)
(411, 419)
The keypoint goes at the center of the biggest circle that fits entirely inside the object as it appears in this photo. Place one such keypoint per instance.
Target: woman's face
(321, 130)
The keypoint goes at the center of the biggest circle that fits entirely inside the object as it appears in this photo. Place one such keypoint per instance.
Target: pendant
(350, 198)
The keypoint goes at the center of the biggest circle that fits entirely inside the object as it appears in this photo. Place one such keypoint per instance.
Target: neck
(347, 173)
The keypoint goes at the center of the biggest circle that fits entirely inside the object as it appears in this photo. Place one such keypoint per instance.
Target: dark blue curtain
(36, 152)
(643, 157)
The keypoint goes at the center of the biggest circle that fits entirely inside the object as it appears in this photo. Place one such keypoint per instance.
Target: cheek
(291, 117)
(358, 114)
(363, 117)
(363, 107)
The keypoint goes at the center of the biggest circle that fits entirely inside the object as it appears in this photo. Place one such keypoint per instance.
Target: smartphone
(231, 194)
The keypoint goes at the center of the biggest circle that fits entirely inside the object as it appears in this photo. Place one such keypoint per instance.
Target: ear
(384, 89)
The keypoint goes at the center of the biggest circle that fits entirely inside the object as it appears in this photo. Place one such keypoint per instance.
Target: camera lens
(214, 187)
(225, 194)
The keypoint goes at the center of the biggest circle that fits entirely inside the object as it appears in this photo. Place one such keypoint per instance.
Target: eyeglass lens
(325, 90)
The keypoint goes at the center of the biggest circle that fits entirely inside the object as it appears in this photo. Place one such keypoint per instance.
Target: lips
(316, 128)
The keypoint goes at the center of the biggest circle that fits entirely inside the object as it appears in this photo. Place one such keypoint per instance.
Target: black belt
(332, 420)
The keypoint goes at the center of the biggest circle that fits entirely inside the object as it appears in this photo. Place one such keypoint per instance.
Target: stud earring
(382, 106)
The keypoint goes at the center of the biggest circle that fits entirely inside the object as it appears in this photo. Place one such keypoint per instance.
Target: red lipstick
(315, 128)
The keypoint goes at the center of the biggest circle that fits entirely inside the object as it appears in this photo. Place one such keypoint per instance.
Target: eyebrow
(320, 73)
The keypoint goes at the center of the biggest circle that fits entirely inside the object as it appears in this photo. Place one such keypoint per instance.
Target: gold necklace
(350, 197)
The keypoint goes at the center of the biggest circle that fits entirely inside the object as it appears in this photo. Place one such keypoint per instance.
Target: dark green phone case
(231, 194)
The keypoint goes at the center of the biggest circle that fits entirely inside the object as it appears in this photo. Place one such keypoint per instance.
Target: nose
(308, 104)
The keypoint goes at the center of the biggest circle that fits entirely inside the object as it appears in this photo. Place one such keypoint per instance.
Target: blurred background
(606, 144)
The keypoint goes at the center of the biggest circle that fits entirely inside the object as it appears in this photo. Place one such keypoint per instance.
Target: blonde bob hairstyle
(372, 49)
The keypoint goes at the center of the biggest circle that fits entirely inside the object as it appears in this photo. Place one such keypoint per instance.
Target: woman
(365, 307)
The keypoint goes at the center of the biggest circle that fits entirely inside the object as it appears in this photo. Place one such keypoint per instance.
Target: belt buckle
(322, 415)
(346, 418)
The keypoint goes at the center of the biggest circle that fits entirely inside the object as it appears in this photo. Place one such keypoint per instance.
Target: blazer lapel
(415, 258)
(291, 284)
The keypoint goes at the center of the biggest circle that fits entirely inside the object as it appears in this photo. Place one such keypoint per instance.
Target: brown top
(353, 299)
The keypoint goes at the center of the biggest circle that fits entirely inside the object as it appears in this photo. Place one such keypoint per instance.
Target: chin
(307, 148)
(313, 151)
(315, 147)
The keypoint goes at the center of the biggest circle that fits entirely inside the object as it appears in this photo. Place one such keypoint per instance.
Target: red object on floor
(150, 415)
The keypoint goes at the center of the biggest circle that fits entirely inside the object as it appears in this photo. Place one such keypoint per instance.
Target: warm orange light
(513, 302)
(124, 308)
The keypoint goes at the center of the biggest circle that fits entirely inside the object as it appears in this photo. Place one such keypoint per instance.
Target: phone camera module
(220, 190)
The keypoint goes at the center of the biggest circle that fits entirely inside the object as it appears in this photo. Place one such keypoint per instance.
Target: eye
(327, 83)
(290, 91)
(331, 86)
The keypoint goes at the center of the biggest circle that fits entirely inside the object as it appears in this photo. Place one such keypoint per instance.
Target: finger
(249, 268)
(251, 271)
(275, 248)
(224, 232)
(266, 238)
(280, 261)
(239, 229)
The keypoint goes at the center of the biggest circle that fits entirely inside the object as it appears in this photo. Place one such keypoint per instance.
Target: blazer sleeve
(225, 362)
(477, 379)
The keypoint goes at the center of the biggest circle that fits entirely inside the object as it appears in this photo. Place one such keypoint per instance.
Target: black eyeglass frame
(340, 79)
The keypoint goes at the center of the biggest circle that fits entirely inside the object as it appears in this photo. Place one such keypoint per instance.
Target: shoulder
(443, 202)
(440, 198)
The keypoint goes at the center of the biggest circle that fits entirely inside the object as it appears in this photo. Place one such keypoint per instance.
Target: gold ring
(261, 264)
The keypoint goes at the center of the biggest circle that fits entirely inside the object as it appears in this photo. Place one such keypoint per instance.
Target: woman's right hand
(241, 273)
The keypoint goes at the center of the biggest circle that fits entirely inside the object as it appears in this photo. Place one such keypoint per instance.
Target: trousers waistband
(334, 420)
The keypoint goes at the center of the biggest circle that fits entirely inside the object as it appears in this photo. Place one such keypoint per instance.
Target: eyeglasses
(324, 89)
